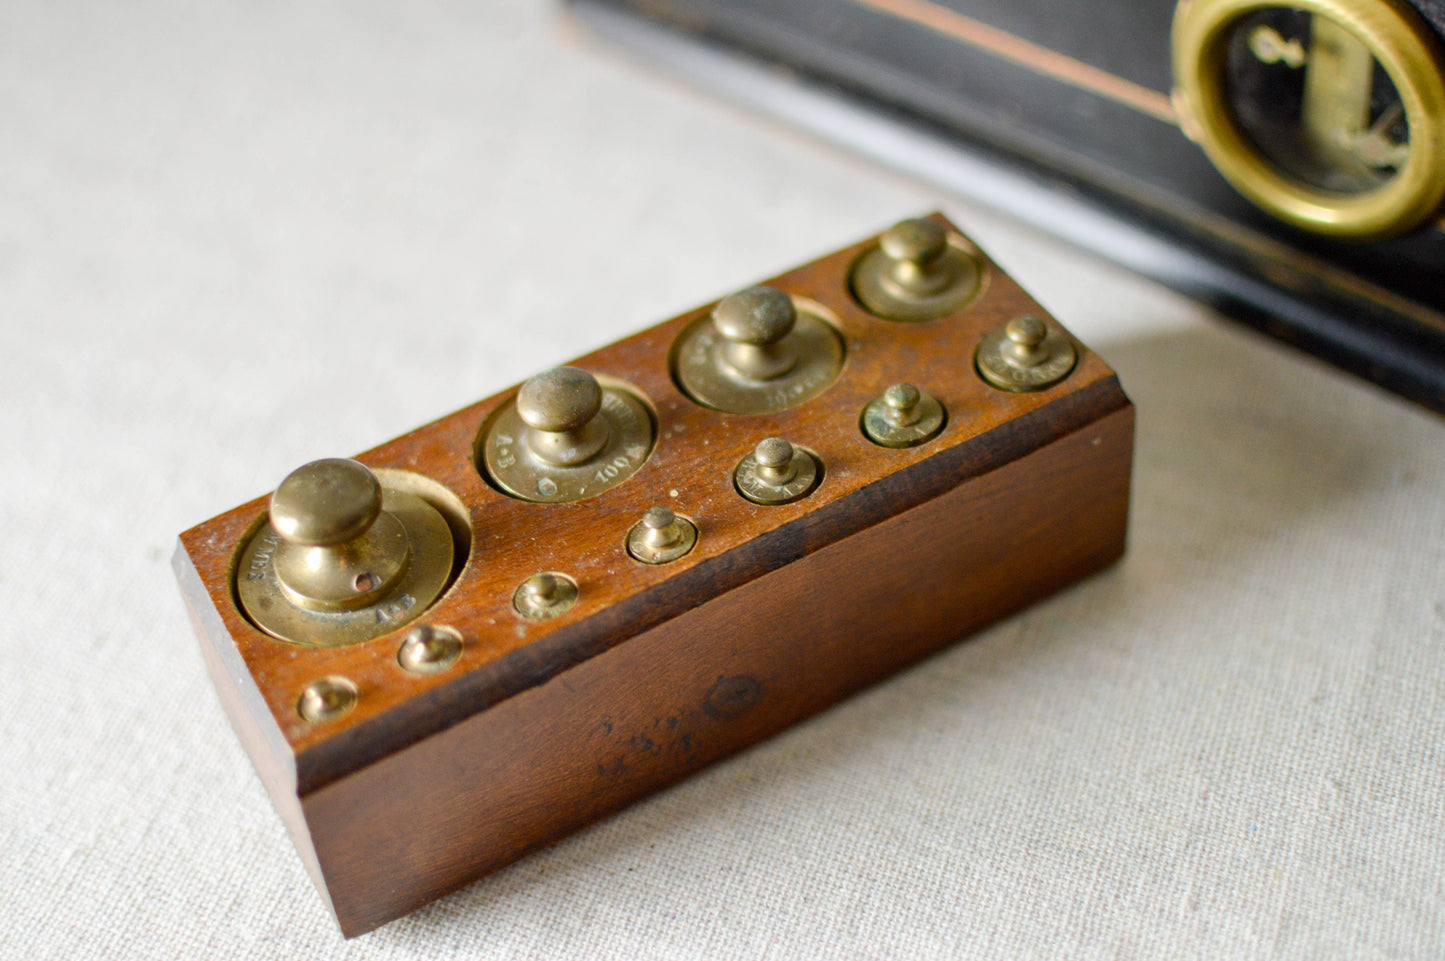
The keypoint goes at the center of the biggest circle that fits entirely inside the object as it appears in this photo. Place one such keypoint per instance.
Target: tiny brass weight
(902, 416)
(544, 596)
(775, 473)
(566, 437)
(661, 536)
(917, 272)
(1025, 354)
(758, 352)
(341, 560)
(428, 649)
(326, 699)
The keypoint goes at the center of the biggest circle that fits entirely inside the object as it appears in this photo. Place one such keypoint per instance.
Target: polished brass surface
(776, 472)
(902, 416)
(917, 272)
(338, 550)
(760, 351)
(428, 649)
(1357, 168)
(560, 407)
(543, 596)
(566, 437)
(661, 536)
(326, 699)
(341, 560)
(1025, 354)
(755, 324)
(327, 501)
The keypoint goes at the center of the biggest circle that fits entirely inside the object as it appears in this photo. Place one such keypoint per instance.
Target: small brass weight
(1025, 354)
(340, 559)
(917, 272)
(758, 353)
(566, 437)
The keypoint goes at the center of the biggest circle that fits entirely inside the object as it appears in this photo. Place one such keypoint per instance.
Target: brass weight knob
(565, 437)
(917, 272)
(917, 256)
(339, 550)
(342, 559)
(754, 325)
(561, 407)
(759, 351)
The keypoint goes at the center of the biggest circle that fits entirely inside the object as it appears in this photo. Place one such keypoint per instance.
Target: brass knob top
(541, 588)
(1027, 332)
(326, 502)
(919, 241)
(774, 454)
(902, 401)
(758, 316)
(560, 400)
(659, 519)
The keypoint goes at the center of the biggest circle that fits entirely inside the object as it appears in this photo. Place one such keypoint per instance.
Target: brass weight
(902, 416)
(776, 473)
(758, 352)
(340, 559)
(1025, 354)
(565, 437)
(917, 272)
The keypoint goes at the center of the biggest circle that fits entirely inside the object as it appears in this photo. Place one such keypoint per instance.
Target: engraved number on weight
(505, 457)
(394, 609)
(609, 471)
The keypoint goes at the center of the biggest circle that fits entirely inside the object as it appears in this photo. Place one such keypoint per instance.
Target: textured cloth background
(236, 237)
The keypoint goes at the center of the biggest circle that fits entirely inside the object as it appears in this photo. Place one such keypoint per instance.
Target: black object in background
(1061, 114)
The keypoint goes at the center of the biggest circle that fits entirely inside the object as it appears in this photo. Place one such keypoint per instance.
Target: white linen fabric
(236, 237)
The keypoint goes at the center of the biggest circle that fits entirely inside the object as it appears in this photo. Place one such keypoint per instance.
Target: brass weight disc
(428, 569)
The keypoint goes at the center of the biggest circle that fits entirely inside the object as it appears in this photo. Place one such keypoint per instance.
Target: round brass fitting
(327, 699)
(429, 649)
(341, 559)
(1347, 135)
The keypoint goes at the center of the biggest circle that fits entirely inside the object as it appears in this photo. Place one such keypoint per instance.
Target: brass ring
(1401, 43)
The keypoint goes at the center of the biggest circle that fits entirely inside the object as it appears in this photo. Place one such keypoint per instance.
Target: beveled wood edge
(442, 707)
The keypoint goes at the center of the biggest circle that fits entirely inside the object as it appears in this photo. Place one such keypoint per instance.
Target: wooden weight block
(414, 737)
